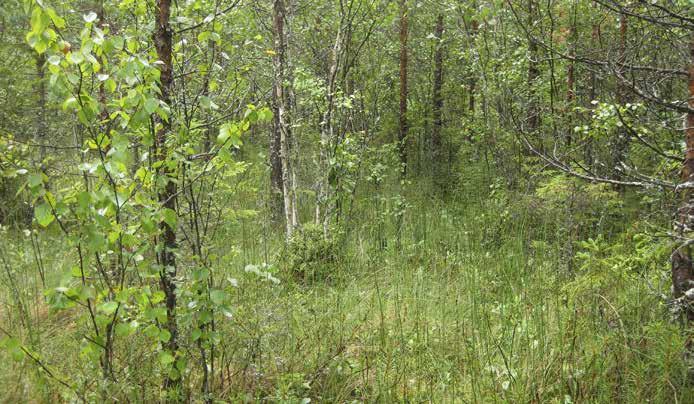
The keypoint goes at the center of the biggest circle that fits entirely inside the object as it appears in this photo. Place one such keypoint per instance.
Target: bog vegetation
(347, 201)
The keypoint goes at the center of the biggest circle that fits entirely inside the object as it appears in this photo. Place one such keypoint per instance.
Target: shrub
(309, 255)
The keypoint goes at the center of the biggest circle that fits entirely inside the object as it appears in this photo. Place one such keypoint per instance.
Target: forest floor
(474, 304)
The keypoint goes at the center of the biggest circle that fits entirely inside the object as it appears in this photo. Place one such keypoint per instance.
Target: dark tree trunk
(275, 168)
(167, 196)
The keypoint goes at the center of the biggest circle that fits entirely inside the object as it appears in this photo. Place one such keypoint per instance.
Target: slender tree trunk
(163, 39)
(327, 137)
(290, 96)
(682, 269)
(403, 128)
(621, 143)
(570, 74)
(570, 69)
(533, 71)
(593, 91)
(113, 261)
(276, 186)
(472, 86)
(437, 102)
(101, 17)
(211, 128)
(595, 47)
(282, 127)
(621, 59)
(41, 124)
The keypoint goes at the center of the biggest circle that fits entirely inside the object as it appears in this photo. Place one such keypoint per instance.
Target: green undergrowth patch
(475, 303)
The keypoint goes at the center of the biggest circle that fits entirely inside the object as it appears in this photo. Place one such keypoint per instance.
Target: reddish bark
(682, 269)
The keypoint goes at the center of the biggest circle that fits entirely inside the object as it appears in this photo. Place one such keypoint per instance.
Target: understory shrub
(310, 255)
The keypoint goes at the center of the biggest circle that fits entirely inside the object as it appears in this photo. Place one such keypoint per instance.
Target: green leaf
(164, 336)
(170, 217)
(206, 102)
(83, 200)
(54, 60)
(110, 85)
(224, 134)
(95, 239)
(151, 331)
(124, 329)
(231, 133)
(157, 297)
(203, 36)
(108, 307)
(205, 316)
(76, 57)
(70, 103)
(151, 105)
(14, 347)
(165, 358)
(218, 296)
(57, 20)
(44, 215)
(265, 114)
(158, 313)
(35, 180)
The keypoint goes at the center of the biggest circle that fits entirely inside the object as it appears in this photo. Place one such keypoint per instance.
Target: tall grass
(474, 304)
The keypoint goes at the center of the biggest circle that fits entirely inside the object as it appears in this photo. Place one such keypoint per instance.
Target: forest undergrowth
(473, 300)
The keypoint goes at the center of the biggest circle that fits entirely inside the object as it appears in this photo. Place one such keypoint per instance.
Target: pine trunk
(682, 269)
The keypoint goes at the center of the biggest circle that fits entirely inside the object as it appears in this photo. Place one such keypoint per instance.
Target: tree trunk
(682, 269)
(276, 186)
(327, 137)
(167, 196)
(282, 128)
(41, 124)
(533, 72)
(472, 87)
(211, 128)
(570, 72)
(593, 91)
(621, 88)
(621, 143)
(403, 128)
(437, 101)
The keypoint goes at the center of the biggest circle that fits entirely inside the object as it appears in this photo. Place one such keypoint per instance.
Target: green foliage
(311, 256)
(13, 171)
(486, 274)
(588, 203)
